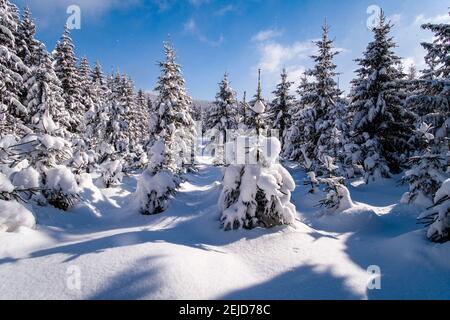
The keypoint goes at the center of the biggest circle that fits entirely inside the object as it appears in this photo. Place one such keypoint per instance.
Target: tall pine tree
(65, 63)
(381, 124)
(281, 108)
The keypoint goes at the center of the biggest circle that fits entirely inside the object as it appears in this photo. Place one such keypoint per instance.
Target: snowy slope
(183, 253)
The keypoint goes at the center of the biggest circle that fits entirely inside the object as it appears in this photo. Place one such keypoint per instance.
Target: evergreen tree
(437, 218)
(221, 114)
(143, 107)
(257, 193)
(86, 85)
(221, 117)
(174, 132)
(301, 127)
(431, 101)
(242, 118)
(44, 95)
(29, 50)
(12, 111)
(280, 108)
(323, 116)
(65, 63)
(255, 114)
(381, 124)
(96, 118)
(175, 124)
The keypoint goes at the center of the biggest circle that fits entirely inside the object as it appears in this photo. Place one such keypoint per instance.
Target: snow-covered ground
(183, 254)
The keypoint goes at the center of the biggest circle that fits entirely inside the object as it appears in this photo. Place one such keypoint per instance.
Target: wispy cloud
(267, 34)
(86, 6)
(225, 9)
(421, 19)
(53, 13)
(198, 2)
(190, 27)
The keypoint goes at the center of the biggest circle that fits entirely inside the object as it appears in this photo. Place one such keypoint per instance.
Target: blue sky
(237, 36)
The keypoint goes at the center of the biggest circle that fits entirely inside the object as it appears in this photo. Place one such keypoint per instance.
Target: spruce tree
(12, 111)
(431, 101)
(175, 124)
(381, 124)
(325, 107)
(256, 113)
(221, 117)
(44, 94)
(65, 63)
(28, 48)
(301, 127)
(221, 114)
(174, 133)
(280, 108)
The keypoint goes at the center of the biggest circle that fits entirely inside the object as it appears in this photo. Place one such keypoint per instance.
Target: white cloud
(51, 13)
(198, 2)
(274, 55)
(225, 9)
(190, 27)
(87, 6)
(421, 19)
(265, 35)
(395, 18)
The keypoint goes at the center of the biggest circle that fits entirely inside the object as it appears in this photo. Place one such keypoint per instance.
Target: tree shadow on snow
(303, 282)
(136, 282)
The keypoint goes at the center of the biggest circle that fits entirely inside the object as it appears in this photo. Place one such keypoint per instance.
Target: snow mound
(13, 215)
(5, 184)
(27, 178)
(356, 218)
(62, 179)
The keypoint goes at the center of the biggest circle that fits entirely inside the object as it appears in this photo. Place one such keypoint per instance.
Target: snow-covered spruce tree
(141, 126)
(241, 118)
(174, 133)
(65, 63)
(46, 149)
(28, 48)
(125, 99)
(279, 110)
(83, 156)
(175, 125)
(256, 113)
(325, 109)
(156, 184)
(381, 124)
(257, 193)
(86, 86)
(220, 118)
(437, 218)
(113, 144)
(96, 118)
(12, 111)
(427, 170)
(431, 101)
(44, 94)
(337, 195)
(301, 125)
(143, 107)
